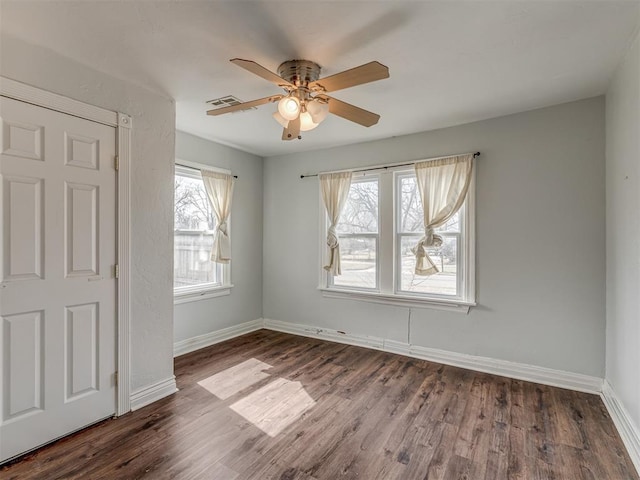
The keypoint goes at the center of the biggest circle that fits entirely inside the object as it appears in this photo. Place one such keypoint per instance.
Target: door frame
(123, 124)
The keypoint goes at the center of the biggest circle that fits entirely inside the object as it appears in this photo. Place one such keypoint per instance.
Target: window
(381, 223)
(358, 231)
(409, 229)
(194, 273)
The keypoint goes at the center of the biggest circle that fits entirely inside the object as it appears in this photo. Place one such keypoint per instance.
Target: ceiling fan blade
(244, 105)
(292, 130)
(369, 72)
(259, 70)
(351, 112)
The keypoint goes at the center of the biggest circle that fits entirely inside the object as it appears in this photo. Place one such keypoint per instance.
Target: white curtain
(443, 186)
(335, 191)
(219, 187)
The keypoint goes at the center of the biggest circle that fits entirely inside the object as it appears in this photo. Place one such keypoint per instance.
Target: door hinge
(116, 163)
(115, 378)
(116, 271)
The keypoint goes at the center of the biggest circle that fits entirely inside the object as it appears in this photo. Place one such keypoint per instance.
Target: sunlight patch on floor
(275, 406)
(235, 379)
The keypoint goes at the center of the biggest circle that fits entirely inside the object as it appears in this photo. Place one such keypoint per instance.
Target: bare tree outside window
(192, 209)
(360, 213)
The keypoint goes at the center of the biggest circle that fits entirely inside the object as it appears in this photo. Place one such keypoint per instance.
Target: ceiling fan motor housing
(299, 72)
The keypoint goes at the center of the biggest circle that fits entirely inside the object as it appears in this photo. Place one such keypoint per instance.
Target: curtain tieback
(222, 227)
(430, 239)
(332, 237)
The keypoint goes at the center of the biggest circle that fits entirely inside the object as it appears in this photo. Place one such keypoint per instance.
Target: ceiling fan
(306, 103)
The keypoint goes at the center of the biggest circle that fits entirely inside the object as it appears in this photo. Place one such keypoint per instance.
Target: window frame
(206, 290)
(389, 252)
(461, 254)
(376, 236)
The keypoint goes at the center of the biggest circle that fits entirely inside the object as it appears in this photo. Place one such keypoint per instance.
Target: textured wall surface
(540, 240)
(623, 232)
(153, 138)
(245, 301)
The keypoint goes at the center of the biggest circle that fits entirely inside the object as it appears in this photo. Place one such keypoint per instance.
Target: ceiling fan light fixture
(289, 107)
(280, 119)
(318, 110)
(306, 122)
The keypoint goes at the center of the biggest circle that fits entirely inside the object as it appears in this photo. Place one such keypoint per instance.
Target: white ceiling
(450, 62)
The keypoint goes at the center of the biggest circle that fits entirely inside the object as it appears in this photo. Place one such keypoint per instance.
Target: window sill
(205, 294)
(399, 300)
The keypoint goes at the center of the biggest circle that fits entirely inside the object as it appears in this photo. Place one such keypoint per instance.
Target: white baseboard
(520, 371)
(151, 393)
(324, 333)
(629, 432)
(211, 338)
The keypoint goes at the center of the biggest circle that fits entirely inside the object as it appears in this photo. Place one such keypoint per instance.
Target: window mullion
(386, 230)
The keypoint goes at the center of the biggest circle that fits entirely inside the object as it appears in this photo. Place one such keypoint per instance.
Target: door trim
(123, 124)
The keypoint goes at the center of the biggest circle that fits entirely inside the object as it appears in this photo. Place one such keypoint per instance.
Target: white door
(58, 288)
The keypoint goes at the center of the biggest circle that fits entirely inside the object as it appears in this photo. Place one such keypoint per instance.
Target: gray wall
(152, 191)
(623, 232)
(540, 240)
(245, 301)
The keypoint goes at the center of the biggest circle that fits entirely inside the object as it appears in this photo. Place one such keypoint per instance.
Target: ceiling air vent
(228, 101)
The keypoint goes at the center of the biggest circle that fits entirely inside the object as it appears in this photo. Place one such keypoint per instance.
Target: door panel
(81, 350)
(58, 292)
(81, 229)
(23, 228)
(81, 151)
(22, 140)
(23, 352)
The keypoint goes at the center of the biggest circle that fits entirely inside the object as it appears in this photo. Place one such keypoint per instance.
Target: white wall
(540, 240)
(623, 232)
(152, 191)
(245, 301)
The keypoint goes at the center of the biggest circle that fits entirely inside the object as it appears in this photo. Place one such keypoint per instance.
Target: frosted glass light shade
(289, 107)
(318, 110)
(280, 119)
(306, 122)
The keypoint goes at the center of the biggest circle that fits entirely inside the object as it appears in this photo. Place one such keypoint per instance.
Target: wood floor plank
(269, 405)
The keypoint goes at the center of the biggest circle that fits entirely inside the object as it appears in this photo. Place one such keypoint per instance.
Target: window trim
(397, 300)
(394, 296)
(203, 291)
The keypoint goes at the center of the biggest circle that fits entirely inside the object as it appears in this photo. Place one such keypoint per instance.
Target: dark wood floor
(299, 408)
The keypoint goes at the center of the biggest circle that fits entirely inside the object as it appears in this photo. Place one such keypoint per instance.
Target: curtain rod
(196, 169)
(385, 167)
